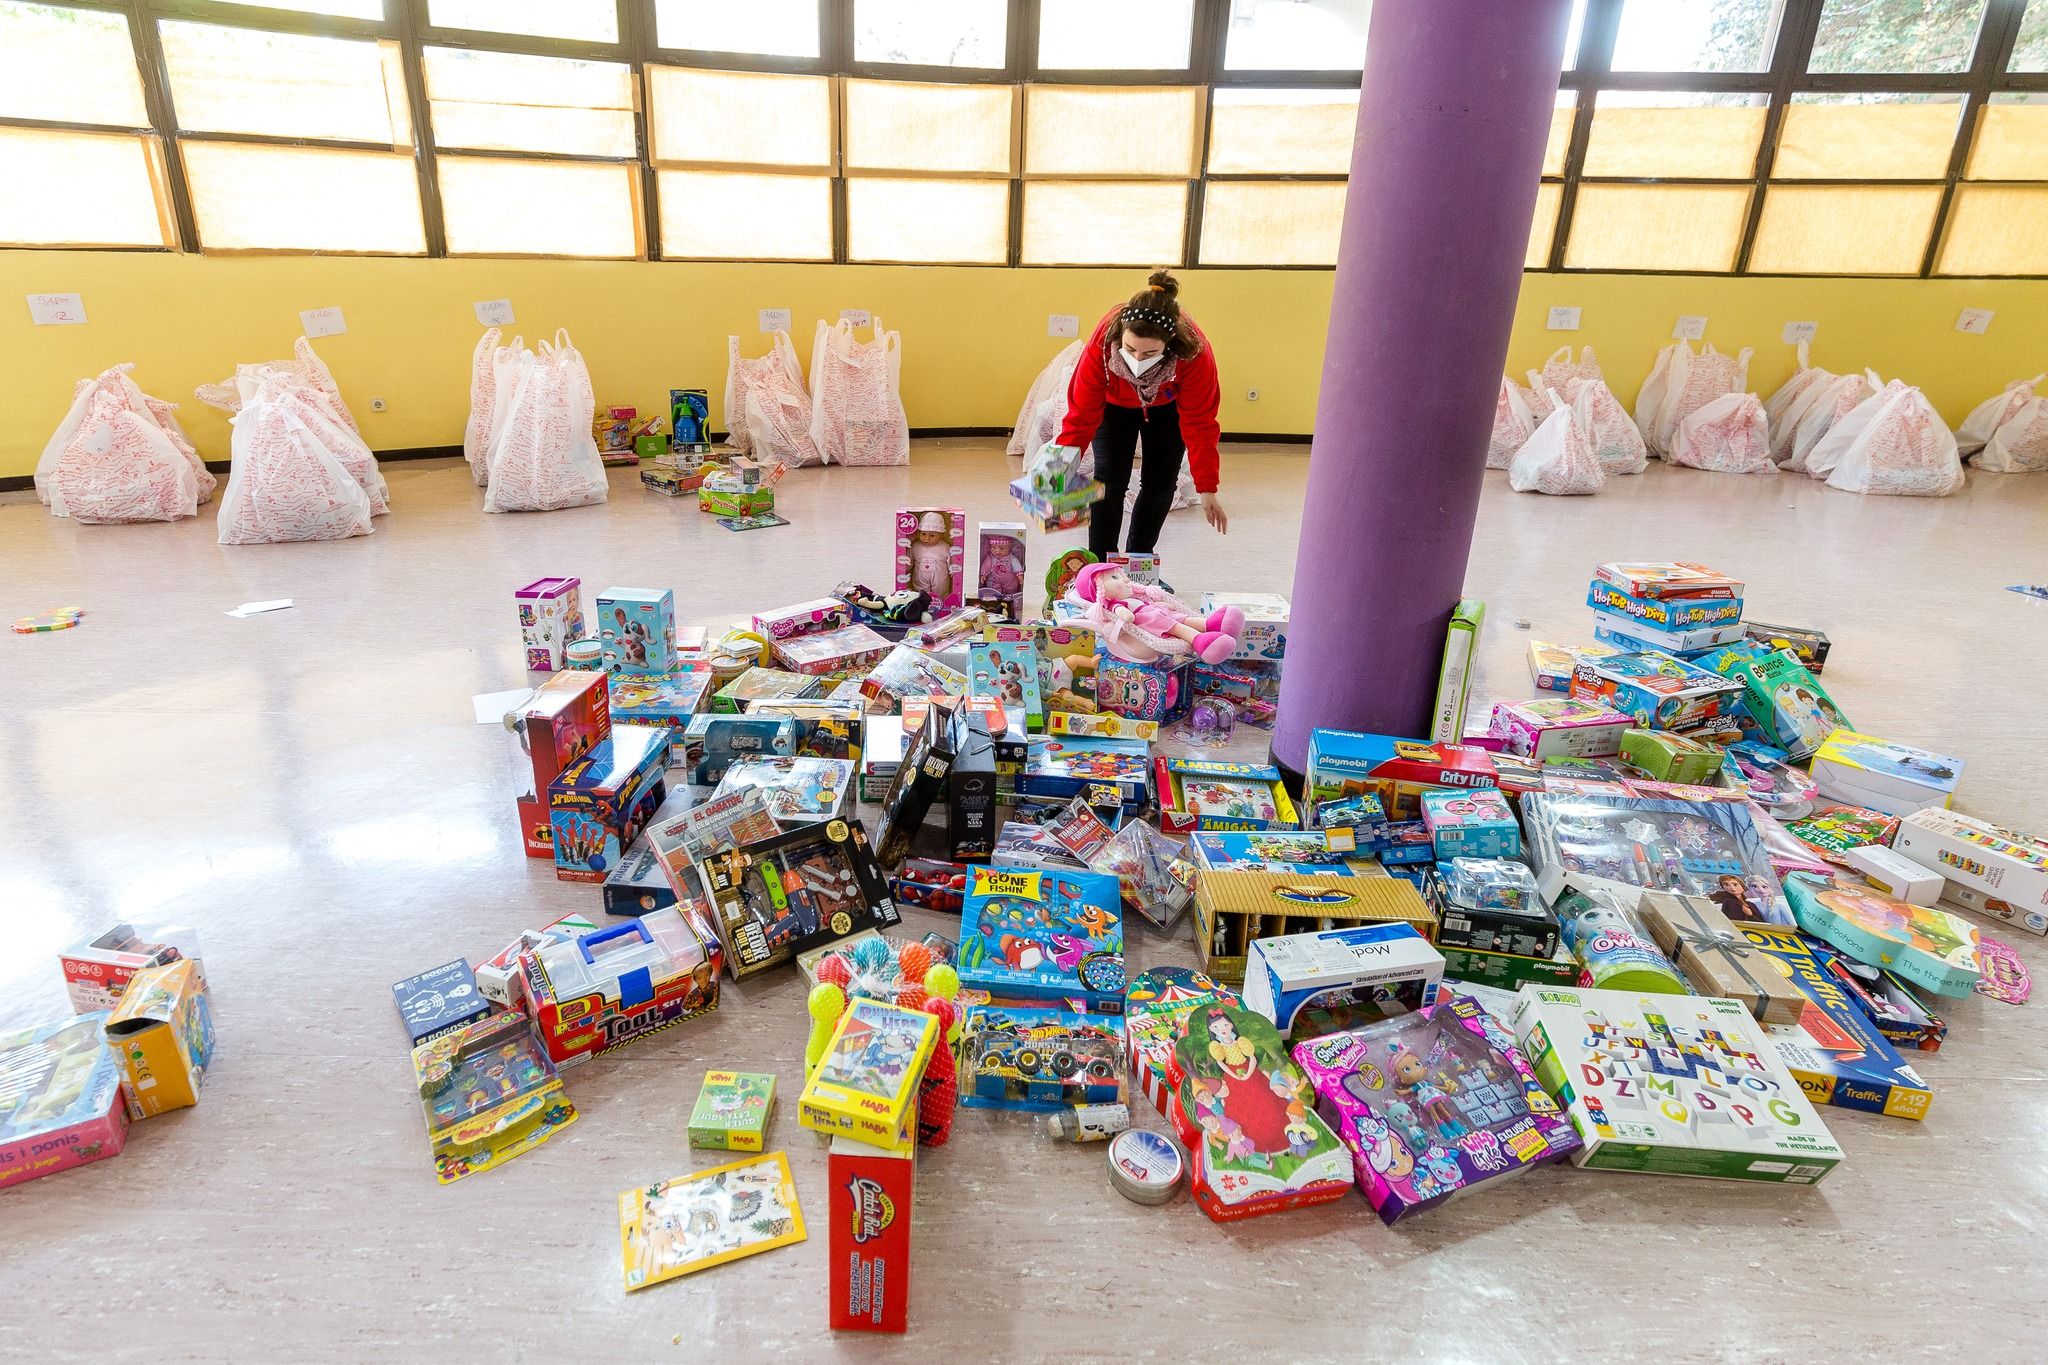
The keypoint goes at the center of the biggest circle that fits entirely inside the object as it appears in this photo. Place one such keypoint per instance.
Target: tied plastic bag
(310, 381)
(1558, 372)
(117, 385)
(1728, 435)
(285, 483)
(1893, 443)
(2009, 433)
(543, 457)
(856, 405)
(483, 390)
(766, 406)
(1513, 424)
(1804, 377)
(117, 465)
(1809, 419)
(1616, 442)
(1681, 382)
(1559, 458)
(1051, 383)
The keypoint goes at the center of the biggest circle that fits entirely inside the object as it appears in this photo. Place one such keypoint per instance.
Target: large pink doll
(931, 557)
(1138, 622)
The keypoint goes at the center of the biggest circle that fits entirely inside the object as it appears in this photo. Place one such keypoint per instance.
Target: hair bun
(1164, 282)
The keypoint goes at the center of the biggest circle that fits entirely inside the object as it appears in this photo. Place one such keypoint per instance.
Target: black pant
(1116, 450)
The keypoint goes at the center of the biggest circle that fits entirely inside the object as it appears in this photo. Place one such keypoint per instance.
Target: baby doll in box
(1142, 624)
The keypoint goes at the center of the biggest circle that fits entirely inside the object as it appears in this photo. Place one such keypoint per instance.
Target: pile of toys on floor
(1654, 918)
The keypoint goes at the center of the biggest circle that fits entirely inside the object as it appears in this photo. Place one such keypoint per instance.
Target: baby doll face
(1408, 1068)
(1112, 586)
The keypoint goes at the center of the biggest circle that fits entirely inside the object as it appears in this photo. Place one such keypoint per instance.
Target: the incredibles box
(592, 993)
(868, 1244)
(567, 717)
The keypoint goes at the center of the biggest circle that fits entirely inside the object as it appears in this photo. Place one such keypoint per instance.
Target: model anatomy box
(870, 1189)
(1672, 1085)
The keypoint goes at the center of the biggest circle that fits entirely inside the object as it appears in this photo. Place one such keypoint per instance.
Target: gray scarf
(1150, 383)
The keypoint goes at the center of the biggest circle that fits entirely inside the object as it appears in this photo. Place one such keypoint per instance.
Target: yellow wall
(973, 337)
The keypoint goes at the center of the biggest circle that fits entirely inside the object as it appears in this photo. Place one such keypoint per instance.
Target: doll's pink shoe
(1213, 647)
(1226, 621)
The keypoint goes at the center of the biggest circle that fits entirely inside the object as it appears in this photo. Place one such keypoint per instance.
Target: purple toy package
(1432, 1104)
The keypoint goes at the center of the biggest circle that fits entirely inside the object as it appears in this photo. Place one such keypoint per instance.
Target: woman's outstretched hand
(1212, 508)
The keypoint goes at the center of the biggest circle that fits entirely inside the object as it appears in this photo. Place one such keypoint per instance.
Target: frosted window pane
(1285, 223)
(1902, 35)
(1997, 230)
(108, 196)
(902, 125)
(533, 104)
(768, 28)
(1675, 135)
(1558, 145)
(732, 216)
(931, 32)
(1544, 226)
(1696, 35)
(243, 80)
(1104, 222)
(1869, 139)
(538, 208)
(1110, 130)
(1859, 230)
(304, 199)
(69, 65)
(928, 220)
(1656, 227)
(594, 21)
(1282, 132)
(1297, 35)
(744, 117)
(2012, 141)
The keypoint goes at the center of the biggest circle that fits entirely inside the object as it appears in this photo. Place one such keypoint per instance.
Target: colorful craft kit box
(1039, 1059)
(60, 1098)
(1897, 779)
(550, 616)
(1558, 727)
(1217, 794)
(594, 993)
(1475, 823)
(1366, 971)
(1928, 947)
(665, 701)
(638, 627)
(163, 1033)
(931, 554)
(1672, 1085)
(1265, 621)
(1432, 1104)
(865, 1085)
(1232, 909)
(490, 1093)
(1998, 864)
(97, 971)
(1347, 763)
(1108, 772)
(439, 1001)
(598, 805)
(1051, 936)
(868, 1223)
(732, 1111)
(1656, 690)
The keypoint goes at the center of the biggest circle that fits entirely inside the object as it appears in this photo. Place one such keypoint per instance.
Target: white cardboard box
(1895, 874)
(1285, 975)
(1897, 779)
(1978, 856)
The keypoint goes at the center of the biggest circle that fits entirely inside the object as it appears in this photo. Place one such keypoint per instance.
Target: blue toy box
(1664, 613)
(1049, 936)
(1109, 772)
(1471, 824)
(1635, 637)
(1160, 692)
(638, 628)
(1657, 690)
(439, 1001)
(599, 803)
(665, 701)
(1040, 1059)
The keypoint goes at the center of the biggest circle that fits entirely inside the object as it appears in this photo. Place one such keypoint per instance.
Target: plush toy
(1143, 624)
(904, 607)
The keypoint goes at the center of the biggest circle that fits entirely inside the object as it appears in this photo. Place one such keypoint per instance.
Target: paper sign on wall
(56, 310)
(1796, 332)
(1689, 328)
(775, 319)
(322, 322)
(493, 312)
(857, 316)
(1976, 321)
(1564, 319)
(1062, 324)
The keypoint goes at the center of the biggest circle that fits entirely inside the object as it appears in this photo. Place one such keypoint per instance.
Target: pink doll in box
(931, 557)
(1002, 566)
(1143, 624)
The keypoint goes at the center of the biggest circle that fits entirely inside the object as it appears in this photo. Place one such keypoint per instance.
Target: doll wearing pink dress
(1142, 624)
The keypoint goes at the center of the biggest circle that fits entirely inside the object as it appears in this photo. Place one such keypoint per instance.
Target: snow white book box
(1262, 1148)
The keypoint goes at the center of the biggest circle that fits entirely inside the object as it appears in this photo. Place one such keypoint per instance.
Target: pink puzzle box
(1559, 727)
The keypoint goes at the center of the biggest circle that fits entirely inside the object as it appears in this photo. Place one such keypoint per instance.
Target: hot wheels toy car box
(597, 992)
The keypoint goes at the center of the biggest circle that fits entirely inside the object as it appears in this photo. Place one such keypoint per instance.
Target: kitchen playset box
(1656, 690)
(1897, 779)
(1672, 1085)
(598, 804)
(489, 1092)
(1475, 823)
(1303, 981)
(1232, 909)
(162, 1031)
(865, 1085)
(1558, 727)
(596, 992)
(550, 617)
(1345, 763)
(776, 897)
(60, 1098)
(870, 1191)
(1044, 936)
(1431, 1104)
(638, 628)
(1220, 794)
(97, 971)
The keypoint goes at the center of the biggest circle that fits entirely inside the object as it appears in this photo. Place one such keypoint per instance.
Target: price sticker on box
(322, 322)
(56, 310)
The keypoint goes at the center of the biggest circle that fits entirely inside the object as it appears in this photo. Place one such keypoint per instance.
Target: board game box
(865, 1085)
(1048, 936)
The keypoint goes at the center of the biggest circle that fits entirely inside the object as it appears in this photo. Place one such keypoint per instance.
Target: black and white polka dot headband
(1151, 315)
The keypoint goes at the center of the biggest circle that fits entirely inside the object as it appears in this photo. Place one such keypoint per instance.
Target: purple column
(1451, 127)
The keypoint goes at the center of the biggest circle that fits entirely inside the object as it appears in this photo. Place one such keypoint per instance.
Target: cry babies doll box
(1433, 1104)
(1044, 935)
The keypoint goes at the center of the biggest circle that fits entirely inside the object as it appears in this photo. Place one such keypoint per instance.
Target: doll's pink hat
(1084, 581)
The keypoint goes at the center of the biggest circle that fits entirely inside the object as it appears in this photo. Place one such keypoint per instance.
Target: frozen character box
(1708, 849)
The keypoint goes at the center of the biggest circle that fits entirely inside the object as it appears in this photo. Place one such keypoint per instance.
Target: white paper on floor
(493, 707)
(257, 608)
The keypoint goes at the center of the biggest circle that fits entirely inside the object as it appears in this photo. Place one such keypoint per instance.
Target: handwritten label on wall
(1564, 319)
(56, 310)
(322, 322)
(1690, 328)
(857, 316)
(493, 312)
(1796, 332)
(775, 319)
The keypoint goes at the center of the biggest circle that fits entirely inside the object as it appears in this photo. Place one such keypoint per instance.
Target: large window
(1773, 137)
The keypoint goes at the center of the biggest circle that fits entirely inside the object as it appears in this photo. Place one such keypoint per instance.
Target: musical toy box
(598, 804)
(1672, 1085)
(1471, 824)
(550, 616)
(1355, 974)
(865, 1085)
(1558, 727)
(1051, 936)
(595, 992)
(60, 1098)
(163, 1033)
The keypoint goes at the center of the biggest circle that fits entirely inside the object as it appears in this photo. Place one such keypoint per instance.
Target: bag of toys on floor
(1681, 382)
(2008, 434)
(1560, 457)
(856, 400)
(119, 455)
(1513, 424)
(767, 409)
(1045, 403)
(1727, 435)
(317, 401)
(288, 483)
(1893, 442)
(485, 365)
(1616, 442)
(542, 456)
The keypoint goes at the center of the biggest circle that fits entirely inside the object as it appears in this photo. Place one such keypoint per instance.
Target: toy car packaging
(774, 898)
(1044, 936)
(593, 993)
(1022, 1057)
(490, 1092)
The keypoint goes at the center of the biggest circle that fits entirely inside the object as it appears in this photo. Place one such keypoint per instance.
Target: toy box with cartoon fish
(1046, 935)
(60, 1098)
(865, 1085)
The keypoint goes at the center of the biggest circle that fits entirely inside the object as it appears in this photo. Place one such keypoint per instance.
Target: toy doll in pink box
(1144, 624)
(931, 548)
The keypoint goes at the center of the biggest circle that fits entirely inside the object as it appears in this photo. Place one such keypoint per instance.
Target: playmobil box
(1507, 971)
(97, 971)
(865, 1084)
(638, 627)
(598, 804)
(1265, 621)
(1050, 935)
(1334, 978)
(1474, 823)
(550, 616)
(566, 716)
(833, 653)
(60, 1098)
(814, 617)
(1433, 1103)
(1672, 1085)
(1217, 794)
(1346, 763)
(1897, 779)
(1830, 1045)
(1666, 614)
(1551, 665)
(868, 1219)
(1558, 727)
(1658, 691)
(1109, 772)
(1232, 909)
(596, 992)
(163, 1033)
(666, 701)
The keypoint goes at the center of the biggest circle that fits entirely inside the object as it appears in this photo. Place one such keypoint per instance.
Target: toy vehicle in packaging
(1019, 1057)
(490, 1092)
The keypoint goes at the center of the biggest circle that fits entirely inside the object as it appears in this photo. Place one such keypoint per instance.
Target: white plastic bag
(1816, 413)
(857, 413)
(2009, 433)
(1513, 425)
(1051, 381)
(1727, 435)
(1804, 377)
(1893, 443)
(767, 410)
(1616, 442)
(476, 434)
(322, 379)
(543, 456)
(1559, 371)
(285, 483)
(1559, 457)
(117, 465)
(1681, 382)
(307, 378)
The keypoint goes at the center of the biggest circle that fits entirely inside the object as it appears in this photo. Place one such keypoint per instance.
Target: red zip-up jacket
(1193, 388)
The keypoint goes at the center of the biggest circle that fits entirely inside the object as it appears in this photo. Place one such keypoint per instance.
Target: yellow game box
(866, 1084)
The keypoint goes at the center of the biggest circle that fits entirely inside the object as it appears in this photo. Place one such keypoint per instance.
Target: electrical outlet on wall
(377, 405)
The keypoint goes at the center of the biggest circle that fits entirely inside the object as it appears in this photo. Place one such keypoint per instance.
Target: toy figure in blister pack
(930, 554)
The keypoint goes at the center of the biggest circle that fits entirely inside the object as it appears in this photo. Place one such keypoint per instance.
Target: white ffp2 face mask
(1139, 364)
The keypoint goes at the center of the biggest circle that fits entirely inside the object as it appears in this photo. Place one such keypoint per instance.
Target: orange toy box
(869, 1248)
(162, 1032)
(565, 718)
(592, 993)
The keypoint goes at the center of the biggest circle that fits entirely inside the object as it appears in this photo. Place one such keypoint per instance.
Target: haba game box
(1672, 1085)
(1044, 936)
(865, 1086)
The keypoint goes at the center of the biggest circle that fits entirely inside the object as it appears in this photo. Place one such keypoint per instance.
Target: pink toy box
(814, 617)
(60, 1099)
(931, 554)
(1471, 824)
(1000, 559)
(1559, 727)
(1433, 1104)
(847, 652)
(550, 617)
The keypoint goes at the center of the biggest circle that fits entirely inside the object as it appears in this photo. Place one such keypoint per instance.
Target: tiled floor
(309, 790)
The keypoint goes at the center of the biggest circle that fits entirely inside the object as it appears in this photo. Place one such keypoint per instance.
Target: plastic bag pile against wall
(1727, 435)
(1681, 382)
(767, 410)
(1560, 456)
(2008, 434)
(287, 483)
(307, 377)
(120, 456)
(1893, 443)
(857, 413)
(542, 456)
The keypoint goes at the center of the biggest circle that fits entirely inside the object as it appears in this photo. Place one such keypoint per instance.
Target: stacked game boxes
(1679, 609)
